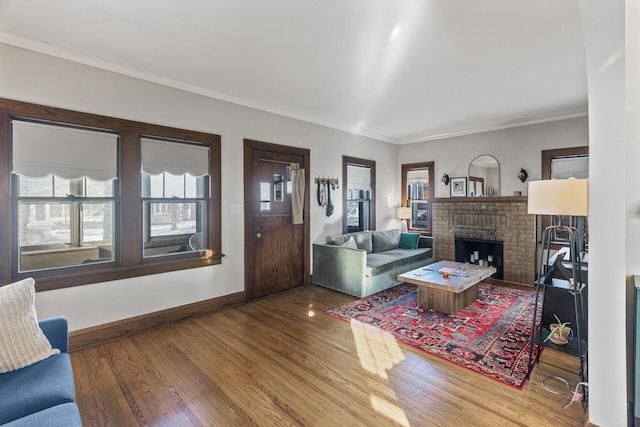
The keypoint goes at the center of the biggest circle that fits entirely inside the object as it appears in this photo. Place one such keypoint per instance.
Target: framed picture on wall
(458, 187)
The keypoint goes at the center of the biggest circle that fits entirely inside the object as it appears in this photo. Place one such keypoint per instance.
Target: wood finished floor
(282, 362)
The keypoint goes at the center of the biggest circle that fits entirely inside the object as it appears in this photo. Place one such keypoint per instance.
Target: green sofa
(372, 265)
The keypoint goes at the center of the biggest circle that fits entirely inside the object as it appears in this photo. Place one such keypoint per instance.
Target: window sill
(87, 274)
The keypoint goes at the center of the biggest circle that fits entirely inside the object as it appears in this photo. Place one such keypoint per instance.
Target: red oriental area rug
(490, 336)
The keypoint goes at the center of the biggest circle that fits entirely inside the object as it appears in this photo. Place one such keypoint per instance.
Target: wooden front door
(276, 250)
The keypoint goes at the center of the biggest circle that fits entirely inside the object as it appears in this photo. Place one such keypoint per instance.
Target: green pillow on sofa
(409, 240)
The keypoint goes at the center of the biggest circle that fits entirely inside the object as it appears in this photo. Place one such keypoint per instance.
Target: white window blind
(174, 157)
(39, 150)
(570, 167)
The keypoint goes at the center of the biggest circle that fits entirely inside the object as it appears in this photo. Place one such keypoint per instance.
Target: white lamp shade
(559, 197)
(403, 213)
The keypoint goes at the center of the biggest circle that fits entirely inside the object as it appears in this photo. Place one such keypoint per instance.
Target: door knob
(258, 234)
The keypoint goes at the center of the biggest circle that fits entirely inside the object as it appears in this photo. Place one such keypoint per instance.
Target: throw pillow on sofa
(362, 238)
(22, 342)
(385, 240)
(351, 244)
(409, 240)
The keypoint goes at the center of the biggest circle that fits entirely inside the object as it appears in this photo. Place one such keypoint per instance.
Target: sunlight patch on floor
(378, 351)
(389, 410)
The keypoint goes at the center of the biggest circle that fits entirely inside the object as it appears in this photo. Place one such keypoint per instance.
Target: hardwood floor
(281, 362)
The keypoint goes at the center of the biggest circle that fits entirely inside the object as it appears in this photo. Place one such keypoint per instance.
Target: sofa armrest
(427, 242)
(56, 329)
(339, 268)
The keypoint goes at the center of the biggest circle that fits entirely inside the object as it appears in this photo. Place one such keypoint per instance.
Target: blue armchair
(42, 394)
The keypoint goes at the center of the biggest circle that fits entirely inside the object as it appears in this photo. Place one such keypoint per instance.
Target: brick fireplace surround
(489, 218)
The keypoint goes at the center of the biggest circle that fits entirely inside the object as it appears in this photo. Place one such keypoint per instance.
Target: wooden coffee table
(448, 295)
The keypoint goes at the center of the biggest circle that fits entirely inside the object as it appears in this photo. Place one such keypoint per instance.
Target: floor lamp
(403, 213)
(562, 197)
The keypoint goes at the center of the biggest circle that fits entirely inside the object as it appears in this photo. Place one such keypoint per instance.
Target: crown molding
(124, 69)
(504, 125)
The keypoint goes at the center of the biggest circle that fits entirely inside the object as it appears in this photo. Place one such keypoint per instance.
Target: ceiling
(400, 71)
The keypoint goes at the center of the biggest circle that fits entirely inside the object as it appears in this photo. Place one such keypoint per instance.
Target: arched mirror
(484, 176)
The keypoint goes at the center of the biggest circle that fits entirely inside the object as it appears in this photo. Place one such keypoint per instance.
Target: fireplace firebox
(480, 251)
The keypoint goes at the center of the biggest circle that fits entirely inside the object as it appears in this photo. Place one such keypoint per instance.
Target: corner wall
(514, 148)
(612, 176)
(33, 77)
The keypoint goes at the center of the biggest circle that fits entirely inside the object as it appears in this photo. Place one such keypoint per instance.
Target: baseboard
(95, 335)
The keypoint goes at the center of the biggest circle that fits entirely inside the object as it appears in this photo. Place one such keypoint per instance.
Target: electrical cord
(574, 395)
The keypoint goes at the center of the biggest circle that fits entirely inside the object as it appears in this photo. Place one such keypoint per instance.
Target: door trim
(249, 241)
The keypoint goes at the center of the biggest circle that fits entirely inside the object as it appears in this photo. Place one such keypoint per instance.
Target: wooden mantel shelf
(498, 199)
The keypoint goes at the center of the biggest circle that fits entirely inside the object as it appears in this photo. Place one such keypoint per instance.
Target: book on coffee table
(452, 271)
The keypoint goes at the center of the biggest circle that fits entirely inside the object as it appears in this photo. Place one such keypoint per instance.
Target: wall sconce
(445, 179)
(523, 175)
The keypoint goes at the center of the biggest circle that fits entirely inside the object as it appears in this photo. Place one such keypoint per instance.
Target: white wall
(37, 78)
(32, 77)
(614, 93)
(632, 194)
(513, 148)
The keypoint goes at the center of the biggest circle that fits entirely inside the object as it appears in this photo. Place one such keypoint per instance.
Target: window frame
(547, 159)
(364, 163)
(128, 228)
(406, 201)
(148, 200)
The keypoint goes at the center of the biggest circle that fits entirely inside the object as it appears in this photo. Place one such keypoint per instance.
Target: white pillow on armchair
(22, 342)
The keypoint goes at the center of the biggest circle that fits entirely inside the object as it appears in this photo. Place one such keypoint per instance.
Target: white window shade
(39, 150)
(570, 167)
(174, 157)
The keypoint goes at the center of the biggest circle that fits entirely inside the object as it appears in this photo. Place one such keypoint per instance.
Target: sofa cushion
(385, 240)
(378, 263)
(409, 240)
(22, 342)
(362, 238)
(65, 415)
(36, 387)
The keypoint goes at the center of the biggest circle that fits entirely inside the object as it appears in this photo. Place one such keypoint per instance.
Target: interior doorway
(277, 251)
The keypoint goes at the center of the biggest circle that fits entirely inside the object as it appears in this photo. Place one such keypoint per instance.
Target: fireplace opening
(481, 252)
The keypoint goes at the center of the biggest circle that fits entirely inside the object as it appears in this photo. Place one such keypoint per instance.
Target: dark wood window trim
(129, 261)
(547, 158)
(354, 161)
(405, 197)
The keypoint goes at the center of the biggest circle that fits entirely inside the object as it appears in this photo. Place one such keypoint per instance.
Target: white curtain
(297, 193)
